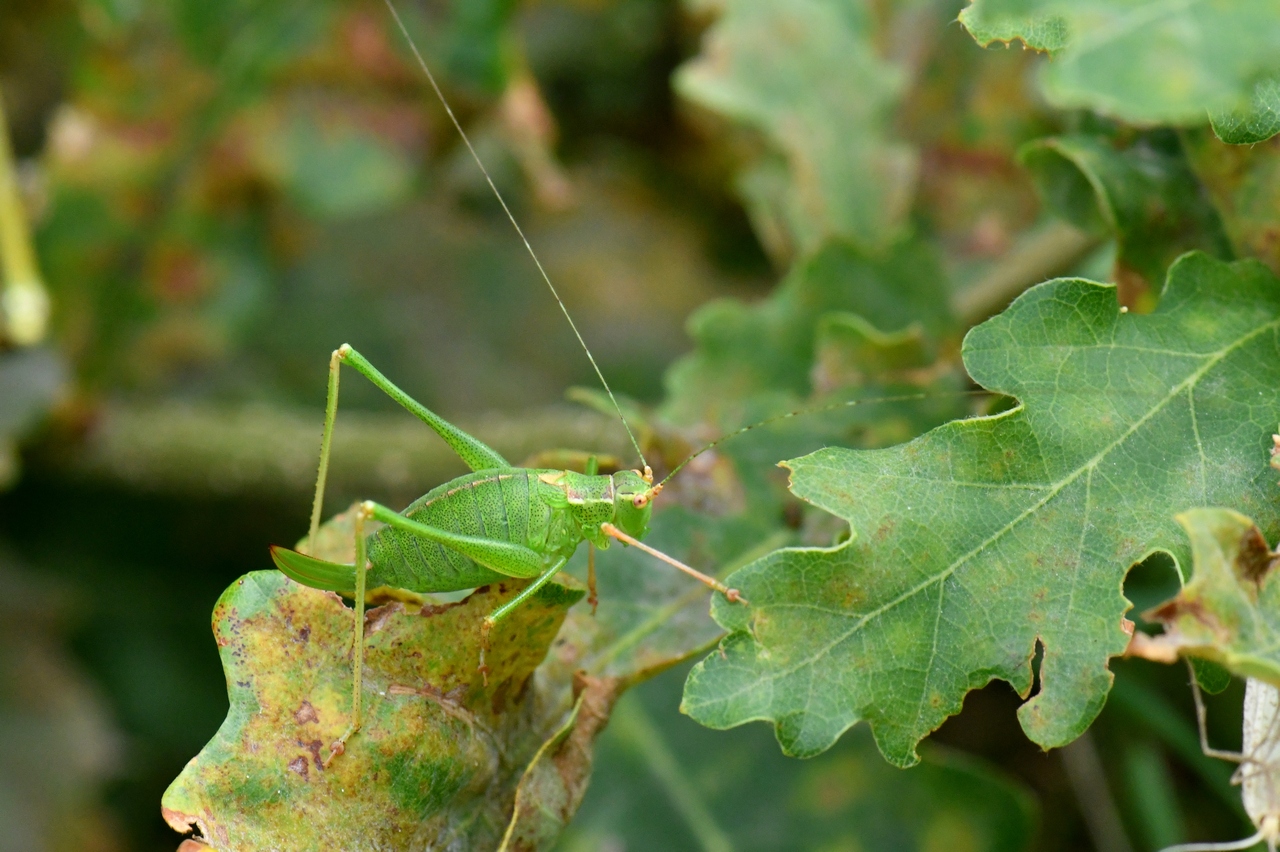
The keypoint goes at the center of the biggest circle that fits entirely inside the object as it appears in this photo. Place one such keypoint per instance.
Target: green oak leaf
(807, 76)
(848, 350)
(1256, 123)
(651, 616)
(440, 752)
(1229, 612)
(1142, 61)
(745, 350)
(986, 537)
(1243, 181)
(1143, 194)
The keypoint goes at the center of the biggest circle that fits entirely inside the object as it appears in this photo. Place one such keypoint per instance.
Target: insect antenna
(422, 63)
(849, 403)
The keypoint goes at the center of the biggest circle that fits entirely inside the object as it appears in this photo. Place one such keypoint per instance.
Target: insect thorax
(589, 500)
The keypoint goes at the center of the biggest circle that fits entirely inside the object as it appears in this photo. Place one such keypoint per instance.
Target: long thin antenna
(422, 63)
(849, 403)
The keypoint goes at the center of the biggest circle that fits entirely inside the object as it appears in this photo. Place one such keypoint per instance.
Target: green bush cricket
(497, 522)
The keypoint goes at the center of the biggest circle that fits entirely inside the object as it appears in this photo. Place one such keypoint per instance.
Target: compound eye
(640, 501)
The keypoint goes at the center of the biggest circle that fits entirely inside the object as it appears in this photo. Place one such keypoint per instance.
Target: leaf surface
(1143, 61)
(1143, 194)
(438, 756)
(769, 348)
(504, 763)
(986, 537)
(807, 76)
(1257, 122)
(665, 782)
(1243, 181)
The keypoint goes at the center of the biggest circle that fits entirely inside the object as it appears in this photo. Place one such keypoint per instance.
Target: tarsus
(422, 63)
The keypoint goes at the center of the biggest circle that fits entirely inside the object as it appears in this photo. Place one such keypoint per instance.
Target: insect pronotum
(497, 522)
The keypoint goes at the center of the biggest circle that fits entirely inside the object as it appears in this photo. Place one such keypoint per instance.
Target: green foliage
(745, 351)
(988, 536)
(1256, 123)
(808, 77)
(1145, 62)
(1142, 194)
(228, 191)
(1243, 183)
(665, 782)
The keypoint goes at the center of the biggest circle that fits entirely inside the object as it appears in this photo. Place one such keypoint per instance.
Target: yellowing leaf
(438, 756)
(1230, 610)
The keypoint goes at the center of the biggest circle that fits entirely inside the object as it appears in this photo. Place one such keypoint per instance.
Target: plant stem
(24, 304)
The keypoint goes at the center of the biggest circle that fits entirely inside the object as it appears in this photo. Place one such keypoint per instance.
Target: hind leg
(477, 454)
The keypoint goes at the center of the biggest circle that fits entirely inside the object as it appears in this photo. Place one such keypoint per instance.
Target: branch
(267, 452)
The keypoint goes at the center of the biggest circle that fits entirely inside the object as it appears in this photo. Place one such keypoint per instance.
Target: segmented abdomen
(493, 504)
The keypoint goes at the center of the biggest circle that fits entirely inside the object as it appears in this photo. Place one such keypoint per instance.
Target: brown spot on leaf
(1254, 559)
(1160, 649)
(177, 820)
(299, 765)
(314, 747)
(376, 618)
(1170, 611)
(306, 713)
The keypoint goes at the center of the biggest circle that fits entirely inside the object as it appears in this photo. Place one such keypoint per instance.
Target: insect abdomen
(492, 504)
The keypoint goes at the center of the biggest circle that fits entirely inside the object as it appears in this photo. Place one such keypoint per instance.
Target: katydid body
(542, 515)
(497, 522)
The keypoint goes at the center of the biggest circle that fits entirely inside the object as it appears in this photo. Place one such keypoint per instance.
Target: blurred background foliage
(748, 206)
